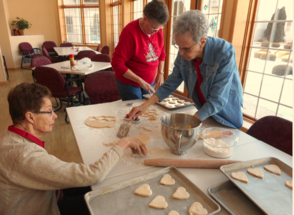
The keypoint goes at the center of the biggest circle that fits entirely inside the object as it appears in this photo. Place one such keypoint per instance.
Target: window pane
(285, 112)
(279, 65)
(90, 1)
(138, 9)
(71, 2)
(252, 84)
(256, 59)
(266, 10)
(115, 24)
(271, 88)
(205, 6)
(92, 25)
(288, 6)
(213, 25)
(287, 95)
(73, 25)
(266, 108)
(250, 103)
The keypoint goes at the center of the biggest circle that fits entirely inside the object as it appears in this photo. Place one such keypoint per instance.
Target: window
(138, 9)
(116, 21)
(82, 22)
(268, 83)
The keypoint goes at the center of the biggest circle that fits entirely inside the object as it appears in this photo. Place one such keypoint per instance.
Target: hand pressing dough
(197, 209)
(101, 121)
(173, 213)
(110, 144)
(289, 184)
(273, 169)
(158, 202)
(145, 128)
(240, 176)
(256, 172)
(181, 193)
(167, 180)
(143, 190)
(144, 138)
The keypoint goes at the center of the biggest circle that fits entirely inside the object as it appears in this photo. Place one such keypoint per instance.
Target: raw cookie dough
(256, 172)
(101, 121)
(153, 117)
(181, 193)
(163, 102)
(145, 128)
(187, 127)
(179, 105)
(197, 209)
(175, 126)
(173, 102)
(110, 144)
(158, 202)
(170, 96)
(181, 101)
(173, 213)
(175, 98)
(144, 138)
(273, 169)
(240, 176)
(289, 184)
(187, 103)
(143, 190)
(150, 112)
(167, 180)
(169, 106)
(167, 99)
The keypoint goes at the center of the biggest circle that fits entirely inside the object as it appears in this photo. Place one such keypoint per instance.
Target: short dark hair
(26, 97)
(156, 10)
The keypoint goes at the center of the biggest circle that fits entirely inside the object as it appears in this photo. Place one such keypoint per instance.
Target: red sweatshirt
(139, 53)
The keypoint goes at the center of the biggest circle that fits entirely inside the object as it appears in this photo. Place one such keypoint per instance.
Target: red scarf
(199, 81)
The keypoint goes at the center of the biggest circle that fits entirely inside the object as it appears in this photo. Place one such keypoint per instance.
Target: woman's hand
(146, 86)
(159, 81)
(133, 143)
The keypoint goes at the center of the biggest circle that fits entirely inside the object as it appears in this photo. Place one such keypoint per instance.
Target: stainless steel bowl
(179, 139)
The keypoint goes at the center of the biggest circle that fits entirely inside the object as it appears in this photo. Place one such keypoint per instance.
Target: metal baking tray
(233, 200)
(270, 194)
(120, 199)
(147, 96)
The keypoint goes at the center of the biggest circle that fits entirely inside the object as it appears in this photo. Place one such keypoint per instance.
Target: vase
(20, 32)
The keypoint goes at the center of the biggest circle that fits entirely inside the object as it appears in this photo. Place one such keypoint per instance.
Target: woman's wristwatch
(162, 72)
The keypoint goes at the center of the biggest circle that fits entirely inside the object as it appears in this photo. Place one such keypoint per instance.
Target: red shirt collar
(26, 135)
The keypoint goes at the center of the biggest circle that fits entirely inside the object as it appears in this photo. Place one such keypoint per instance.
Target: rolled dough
(240, 176)
(181, 193)
(256, 172)
(110, 144)
(145, 128)
(101, 121)
(289, 184)
(158, 202)
(153, 117)
(197, 209)
(173, 213)
(150, 112)
(273, 169)
(167, 180)
(143, 190)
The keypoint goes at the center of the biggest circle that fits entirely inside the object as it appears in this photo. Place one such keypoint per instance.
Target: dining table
(92, 145)
(65, 51)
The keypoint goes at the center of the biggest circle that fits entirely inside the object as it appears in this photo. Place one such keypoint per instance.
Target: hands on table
(132, 143)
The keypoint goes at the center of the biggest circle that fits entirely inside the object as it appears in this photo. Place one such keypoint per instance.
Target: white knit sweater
(29, 175)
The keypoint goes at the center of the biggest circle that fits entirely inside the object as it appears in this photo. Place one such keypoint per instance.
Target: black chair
(5, 67)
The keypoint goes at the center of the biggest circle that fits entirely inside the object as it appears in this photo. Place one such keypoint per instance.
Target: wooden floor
(60, 142)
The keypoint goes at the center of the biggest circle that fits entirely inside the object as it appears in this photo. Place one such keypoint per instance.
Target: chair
(59, 88)
(4, 62)
(274, 131)
(66, 44)
(27, 51)
(100, 87)
(49, 46)
(105, 50)
(98, 48)
(52, 59)
(85, 53)
(39, 61)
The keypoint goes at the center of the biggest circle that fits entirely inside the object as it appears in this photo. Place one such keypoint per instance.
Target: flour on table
(167, 180)
(273, 169)
(143, 190)
(256, 172)
(145, 128)
(181, 193)
(197, 209)
(158, 202)
(240, 176)
(101, 121)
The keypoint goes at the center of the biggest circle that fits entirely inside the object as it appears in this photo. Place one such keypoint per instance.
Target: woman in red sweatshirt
(140, 51)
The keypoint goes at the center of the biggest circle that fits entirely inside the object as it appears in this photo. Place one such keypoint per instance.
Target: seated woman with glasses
(139, 52)
(207, 65)
(30, 178)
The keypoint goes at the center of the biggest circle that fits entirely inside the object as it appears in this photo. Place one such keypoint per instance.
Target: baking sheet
(270, 194)
(120, 198)
(233, 200)
(147, 96)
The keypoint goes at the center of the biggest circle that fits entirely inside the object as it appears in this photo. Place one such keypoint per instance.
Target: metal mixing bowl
(177, 138)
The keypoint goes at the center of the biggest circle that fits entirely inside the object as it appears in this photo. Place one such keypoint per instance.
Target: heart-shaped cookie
(289, 184)
(181, 193)
(273, 169)
(158, 202)
(173, 213)
(143, 190)
(240, 176)
(197, 209)
(167, 180)
(256, 172)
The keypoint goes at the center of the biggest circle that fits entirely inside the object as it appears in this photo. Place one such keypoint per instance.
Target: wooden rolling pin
(195, 163)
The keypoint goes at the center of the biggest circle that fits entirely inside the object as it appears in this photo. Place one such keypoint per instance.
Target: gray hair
(156, 10)
(193, 22)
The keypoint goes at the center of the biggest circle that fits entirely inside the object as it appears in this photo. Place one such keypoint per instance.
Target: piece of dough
(170, 96)
(167, 99)
(172, 102)
(175, 98)
(180, 101)
(144, 138)
(181, 193)
(240, 176)
(143, 190)
(169, 106)
(187, 127)
(110, 144)
(197, 209)
(163, 102)
(158, 202)
(173, 213)
(150, 112)
(256, 172)
(101, 121)
(167, 180)
(187, 103)
(273, 169)
(289, 184)
(153, 117)
(179, 105)
(145, 128)
(175, 126)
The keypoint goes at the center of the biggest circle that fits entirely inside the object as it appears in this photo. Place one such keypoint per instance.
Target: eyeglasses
(50, 112)
(184, 49)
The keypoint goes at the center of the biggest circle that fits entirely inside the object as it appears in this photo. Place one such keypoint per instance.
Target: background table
(65, 51)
